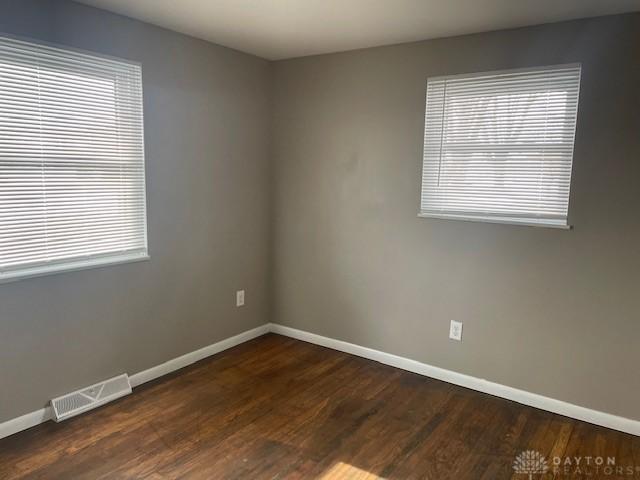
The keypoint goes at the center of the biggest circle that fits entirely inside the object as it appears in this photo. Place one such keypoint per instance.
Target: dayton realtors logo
(530, 463)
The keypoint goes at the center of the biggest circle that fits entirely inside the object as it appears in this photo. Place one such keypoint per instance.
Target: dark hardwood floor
(277, 408)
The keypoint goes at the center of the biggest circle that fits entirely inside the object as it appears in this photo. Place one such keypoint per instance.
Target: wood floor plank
(278, 408)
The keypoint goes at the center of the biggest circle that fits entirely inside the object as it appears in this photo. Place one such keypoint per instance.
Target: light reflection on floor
(342, 470)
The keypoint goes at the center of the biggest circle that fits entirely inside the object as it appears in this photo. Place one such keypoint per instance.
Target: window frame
(38, 269)
(497, 218)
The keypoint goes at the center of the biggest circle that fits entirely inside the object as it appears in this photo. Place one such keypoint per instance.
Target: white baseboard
(520, 396)
(192, 357)
(32, 419)
(27, 420)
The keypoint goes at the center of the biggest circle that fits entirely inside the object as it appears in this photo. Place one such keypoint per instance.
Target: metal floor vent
(88, 398)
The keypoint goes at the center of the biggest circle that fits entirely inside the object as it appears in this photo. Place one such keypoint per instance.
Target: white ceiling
(277, 29)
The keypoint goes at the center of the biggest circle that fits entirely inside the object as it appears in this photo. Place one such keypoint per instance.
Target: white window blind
(72, 190)
(499, 146)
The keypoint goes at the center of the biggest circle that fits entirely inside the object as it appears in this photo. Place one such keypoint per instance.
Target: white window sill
(71, 266)
(527, 222)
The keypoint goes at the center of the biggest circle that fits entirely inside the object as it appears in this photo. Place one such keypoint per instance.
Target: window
(498, 147)
(72, 191)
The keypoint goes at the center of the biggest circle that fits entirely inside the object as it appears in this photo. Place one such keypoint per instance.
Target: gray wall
(206, 138)
(550, 311)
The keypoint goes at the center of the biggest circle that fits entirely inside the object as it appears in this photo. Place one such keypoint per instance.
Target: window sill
(545, 223)
(71, 266)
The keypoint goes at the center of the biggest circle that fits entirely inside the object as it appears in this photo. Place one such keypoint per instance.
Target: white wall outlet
(239, 298)
(455, 331)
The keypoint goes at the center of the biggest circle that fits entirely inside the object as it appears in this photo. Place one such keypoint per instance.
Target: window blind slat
(500, 145)
(72, 190)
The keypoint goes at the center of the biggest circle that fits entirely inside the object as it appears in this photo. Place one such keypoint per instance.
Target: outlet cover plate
(455, 330)
(239, 298)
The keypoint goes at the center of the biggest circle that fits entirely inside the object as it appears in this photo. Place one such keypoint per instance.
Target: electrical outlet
(455, 331)
(239, 298)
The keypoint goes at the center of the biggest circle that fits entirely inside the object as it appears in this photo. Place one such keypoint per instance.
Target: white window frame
(429, 159)
(141, 253)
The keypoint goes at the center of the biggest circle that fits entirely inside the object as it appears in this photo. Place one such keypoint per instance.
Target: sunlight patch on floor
(344, 471)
